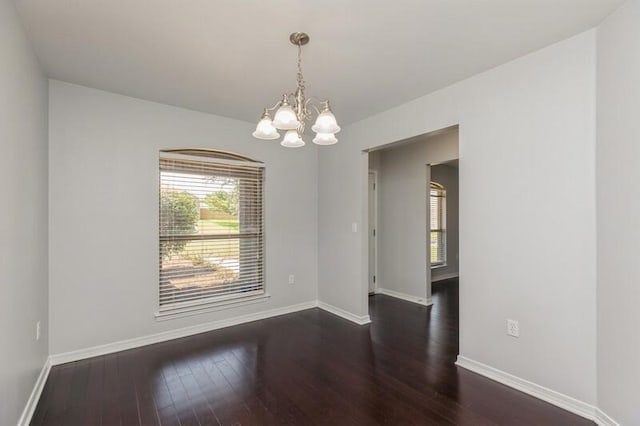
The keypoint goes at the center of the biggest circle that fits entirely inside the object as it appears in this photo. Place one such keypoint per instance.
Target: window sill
(181, 312)
(444, 265)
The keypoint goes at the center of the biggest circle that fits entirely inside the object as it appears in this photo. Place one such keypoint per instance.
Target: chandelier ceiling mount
(299, 39)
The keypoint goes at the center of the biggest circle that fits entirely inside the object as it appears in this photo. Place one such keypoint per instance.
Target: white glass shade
(326, 123)
(325, 139)
(265, 130)
(292, 140)
(285, 118)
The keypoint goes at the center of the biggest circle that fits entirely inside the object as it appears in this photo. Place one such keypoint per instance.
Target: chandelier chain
(300, 76)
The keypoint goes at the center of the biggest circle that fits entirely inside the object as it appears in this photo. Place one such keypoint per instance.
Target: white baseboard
(344, 314)
(137, 342)
(32, 402)
(122, 345)
(444, 277)
(602, 419)
(407, 297)
(558, 399)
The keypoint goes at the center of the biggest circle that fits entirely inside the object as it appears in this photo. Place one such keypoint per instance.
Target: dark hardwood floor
(305, 368)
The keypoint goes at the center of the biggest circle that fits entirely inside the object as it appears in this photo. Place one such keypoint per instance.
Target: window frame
(442, 230)
(227, 300)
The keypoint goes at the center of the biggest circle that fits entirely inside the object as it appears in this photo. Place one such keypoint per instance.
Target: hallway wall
(402, 201)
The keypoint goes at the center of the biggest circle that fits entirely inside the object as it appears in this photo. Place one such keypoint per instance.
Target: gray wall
(618, 201)
(525, 127)
(402, 204)
(448, 177)
(23, 228)
(104, 213)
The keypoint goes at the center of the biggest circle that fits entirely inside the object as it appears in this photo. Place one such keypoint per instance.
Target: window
(438, 204)
(211, 229)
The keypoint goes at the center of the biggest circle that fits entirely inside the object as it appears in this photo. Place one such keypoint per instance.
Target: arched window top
(437, 189)
(437, 186)
(214, 154)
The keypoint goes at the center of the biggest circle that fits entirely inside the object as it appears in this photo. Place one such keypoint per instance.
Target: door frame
(373, 238)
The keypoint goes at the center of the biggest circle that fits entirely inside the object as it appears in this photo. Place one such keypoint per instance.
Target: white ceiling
(233, 57)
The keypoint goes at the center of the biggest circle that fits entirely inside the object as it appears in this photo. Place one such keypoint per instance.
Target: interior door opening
(407, 252)
(442, 220)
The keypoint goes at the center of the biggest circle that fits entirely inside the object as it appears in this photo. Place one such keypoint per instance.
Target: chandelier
(293, 112)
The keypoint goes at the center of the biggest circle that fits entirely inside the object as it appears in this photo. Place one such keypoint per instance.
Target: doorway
(399, 238)
(442, 218)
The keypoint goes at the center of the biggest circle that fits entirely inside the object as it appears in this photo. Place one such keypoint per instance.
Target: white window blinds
(211, 228)
(438, 197)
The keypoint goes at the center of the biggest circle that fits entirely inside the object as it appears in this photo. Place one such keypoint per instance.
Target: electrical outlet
(513, 328)
(354, 227)
(292, 279)
(38, 330)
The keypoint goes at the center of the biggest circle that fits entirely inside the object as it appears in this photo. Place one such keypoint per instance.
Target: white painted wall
(618, 190)
(104, 213)
(525, 127)
(402, 202)
(447, 176)
(23, 228)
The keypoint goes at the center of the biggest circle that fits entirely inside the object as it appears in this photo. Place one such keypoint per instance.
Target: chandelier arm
(291, 98)
(275, 106)
(319, 100)
(306, 108)
(317, 109)
(324, 104)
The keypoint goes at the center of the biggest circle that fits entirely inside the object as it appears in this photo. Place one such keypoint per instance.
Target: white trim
(32, 402)
(552, 397)
(445, 277)
(174, 334)
(439, 265)
(375, 226)
(602, 419)
(409, 298)
(344, 314)
(203, 159)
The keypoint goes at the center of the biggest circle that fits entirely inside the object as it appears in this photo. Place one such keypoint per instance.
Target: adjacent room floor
(305, 368)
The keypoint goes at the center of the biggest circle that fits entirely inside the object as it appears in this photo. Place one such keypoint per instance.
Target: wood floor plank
(57, 406)
(306, 368)
(92, 414)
